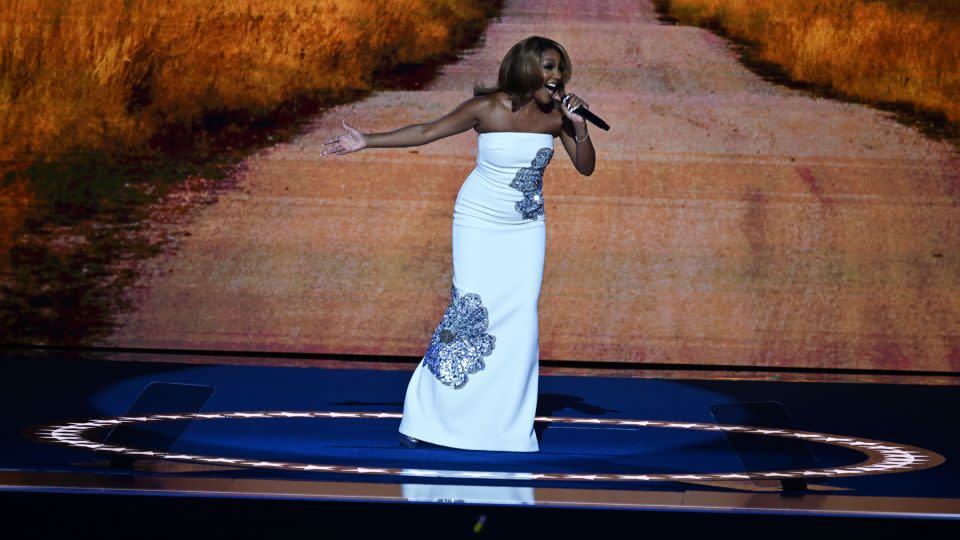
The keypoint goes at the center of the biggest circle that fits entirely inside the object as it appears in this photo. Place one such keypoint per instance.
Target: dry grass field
(937, 9)
(83, 75)
(887, 51)
(105, 77)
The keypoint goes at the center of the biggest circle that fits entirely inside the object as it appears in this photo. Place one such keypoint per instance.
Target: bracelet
(579, 140)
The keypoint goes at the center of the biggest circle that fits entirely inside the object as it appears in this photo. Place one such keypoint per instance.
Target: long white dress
(476, 387)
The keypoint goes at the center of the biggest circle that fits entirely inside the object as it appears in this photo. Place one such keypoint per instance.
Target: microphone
(581, 110)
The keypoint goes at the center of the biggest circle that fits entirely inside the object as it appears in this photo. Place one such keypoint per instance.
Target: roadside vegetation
(109, 75)
(900, 54)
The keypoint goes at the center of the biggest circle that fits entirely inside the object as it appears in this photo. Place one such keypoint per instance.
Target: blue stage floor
(629, 439)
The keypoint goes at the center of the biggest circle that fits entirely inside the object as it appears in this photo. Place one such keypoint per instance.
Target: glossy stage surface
(83, 424)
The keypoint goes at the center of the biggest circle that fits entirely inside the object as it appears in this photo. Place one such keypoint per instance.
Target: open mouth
(552, 87)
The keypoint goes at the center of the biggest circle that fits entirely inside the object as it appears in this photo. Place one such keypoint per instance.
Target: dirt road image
(729, 221)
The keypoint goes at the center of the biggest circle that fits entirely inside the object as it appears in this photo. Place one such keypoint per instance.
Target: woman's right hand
(351, 141)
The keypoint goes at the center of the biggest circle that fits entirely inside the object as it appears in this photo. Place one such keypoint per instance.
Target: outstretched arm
(464, 117)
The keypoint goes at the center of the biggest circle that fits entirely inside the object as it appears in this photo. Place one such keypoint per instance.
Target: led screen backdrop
(733, 217)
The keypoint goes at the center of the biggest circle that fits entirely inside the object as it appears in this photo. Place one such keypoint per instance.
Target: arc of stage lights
(881, 457)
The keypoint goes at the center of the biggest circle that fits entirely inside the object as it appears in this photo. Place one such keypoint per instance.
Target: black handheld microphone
(588, 116)
(581, 110)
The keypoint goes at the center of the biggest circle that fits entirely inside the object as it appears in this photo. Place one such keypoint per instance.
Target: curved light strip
(881, 457)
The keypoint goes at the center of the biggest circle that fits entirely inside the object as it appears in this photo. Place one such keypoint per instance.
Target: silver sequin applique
(460, 342)
(529, 181)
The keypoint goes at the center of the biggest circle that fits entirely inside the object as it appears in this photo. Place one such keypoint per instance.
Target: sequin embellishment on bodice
(529, 181)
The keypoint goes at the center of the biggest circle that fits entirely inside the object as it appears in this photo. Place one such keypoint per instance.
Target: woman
(476, 387)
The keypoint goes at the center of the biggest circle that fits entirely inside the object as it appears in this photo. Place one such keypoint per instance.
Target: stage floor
(75, 424)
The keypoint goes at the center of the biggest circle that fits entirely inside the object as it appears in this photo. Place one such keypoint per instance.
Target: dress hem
(459, 445)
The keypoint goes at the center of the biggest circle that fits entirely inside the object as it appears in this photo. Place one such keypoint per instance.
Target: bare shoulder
(482, 102)
(472, 106)
(494, 113)
(496, 100)
(487, 107)
(559, 122)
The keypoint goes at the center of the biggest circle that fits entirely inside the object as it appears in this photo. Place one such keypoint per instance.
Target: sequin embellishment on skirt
(529, 181)
(460, 342)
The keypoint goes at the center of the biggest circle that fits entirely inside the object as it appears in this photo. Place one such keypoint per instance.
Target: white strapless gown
(476, 387)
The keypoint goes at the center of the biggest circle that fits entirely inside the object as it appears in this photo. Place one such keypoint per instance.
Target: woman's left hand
(571, 102)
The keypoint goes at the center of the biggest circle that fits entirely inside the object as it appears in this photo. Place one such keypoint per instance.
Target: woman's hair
(520, 72)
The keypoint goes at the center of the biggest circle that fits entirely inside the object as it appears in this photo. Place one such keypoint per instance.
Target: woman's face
(552, 72)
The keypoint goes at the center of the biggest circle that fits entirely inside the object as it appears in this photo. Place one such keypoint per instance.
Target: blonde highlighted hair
(520, 72)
